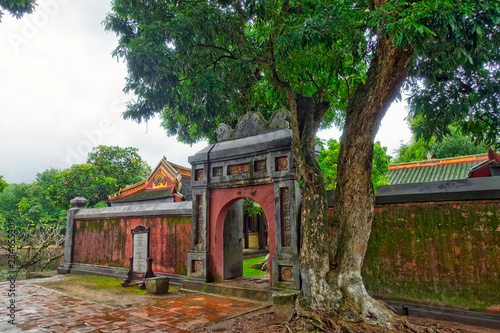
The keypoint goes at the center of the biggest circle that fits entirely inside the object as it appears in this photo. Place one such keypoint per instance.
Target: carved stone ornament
(253, 123)
(140, 228)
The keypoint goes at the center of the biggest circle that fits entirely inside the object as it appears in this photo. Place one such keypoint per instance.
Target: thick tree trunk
(314, 247)
(331, 254)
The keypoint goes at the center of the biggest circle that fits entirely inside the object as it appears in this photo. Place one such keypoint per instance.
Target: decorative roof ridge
(442, 161)
(253, 123)
(176, 166)
(120, 194)
(176, 172)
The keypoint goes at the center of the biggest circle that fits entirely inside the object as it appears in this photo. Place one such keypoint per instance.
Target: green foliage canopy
(456, 77)
(452, 145)
(28, 203)
(251, 208)
(330, 154)
(17, 8)
(123, 164)
(81, 180)
(202, 63)
(108, 169)
(3, 184)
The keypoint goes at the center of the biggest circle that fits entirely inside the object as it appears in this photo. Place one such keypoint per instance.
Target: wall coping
(253, 145)
(151, 209)
(487, 188)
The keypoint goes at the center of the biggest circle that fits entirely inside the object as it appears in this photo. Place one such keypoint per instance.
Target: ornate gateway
(252, 161)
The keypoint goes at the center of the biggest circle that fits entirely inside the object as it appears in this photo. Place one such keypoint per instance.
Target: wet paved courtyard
(40, 309)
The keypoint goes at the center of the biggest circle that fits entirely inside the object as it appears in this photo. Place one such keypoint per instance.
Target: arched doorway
(222, 200)
(258, 167)
(245, 233)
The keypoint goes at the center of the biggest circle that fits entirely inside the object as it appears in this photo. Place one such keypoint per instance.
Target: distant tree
(123, 164)
(107, 170)
(17, 8)
(81, 180)
(457, 145)
(452, 145)
(37, 206)
(29, 202)
(3, 184)
(415, 150)
(9, 202)
(328, 161)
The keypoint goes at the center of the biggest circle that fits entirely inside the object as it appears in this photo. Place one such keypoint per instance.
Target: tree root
(316, 321)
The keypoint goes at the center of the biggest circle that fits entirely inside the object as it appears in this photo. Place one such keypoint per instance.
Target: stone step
(254, 294)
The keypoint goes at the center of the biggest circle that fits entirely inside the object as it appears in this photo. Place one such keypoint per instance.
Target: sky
(61, 93)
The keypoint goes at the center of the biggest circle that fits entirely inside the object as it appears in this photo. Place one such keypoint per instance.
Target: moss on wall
(438, 253)
(108, 242)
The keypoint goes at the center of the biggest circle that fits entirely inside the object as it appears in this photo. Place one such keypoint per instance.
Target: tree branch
(347, 85)
(217, 48)
(312, 79)
(213, 63)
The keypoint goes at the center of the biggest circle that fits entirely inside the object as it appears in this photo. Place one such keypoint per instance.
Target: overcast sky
(61, 94)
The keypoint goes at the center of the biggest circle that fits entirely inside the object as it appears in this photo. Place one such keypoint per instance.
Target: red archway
(221, 201)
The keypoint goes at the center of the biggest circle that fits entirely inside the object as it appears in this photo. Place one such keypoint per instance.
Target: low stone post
(157, 285)
(77, 204)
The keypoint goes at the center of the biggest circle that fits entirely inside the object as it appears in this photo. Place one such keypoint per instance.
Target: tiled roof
(435, 170)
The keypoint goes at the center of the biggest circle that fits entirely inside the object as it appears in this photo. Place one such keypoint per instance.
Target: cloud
(61, 93)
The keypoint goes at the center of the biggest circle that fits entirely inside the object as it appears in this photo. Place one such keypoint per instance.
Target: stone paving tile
(39, 309)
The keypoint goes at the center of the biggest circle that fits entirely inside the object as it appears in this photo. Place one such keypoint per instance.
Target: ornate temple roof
(166, 180)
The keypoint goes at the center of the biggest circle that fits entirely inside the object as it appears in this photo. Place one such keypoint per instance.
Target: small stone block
(284, 303)
(157, 285)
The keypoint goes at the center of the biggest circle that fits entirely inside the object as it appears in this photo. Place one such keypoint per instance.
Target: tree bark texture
(307, 113)
(332, 253)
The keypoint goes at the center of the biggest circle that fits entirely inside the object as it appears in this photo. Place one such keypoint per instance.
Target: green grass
(251, 272)
(111, 284)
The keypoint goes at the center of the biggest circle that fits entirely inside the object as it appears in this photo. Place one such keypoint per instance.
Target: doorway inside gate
(245, 236)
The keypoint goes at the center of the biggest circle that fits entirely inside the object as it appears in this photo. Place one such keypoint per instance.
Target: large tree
(200, 63)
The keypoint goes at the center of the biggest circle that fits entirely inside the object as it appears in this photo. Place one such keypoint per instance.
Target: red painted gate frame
(220, 202)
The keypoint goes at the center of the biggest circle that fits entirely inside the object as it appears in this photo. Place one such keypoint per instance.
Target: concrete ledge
(114, 272)
(275, 140)
(170, 208)
(258, 295)
(433, 312)
(487, 188)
